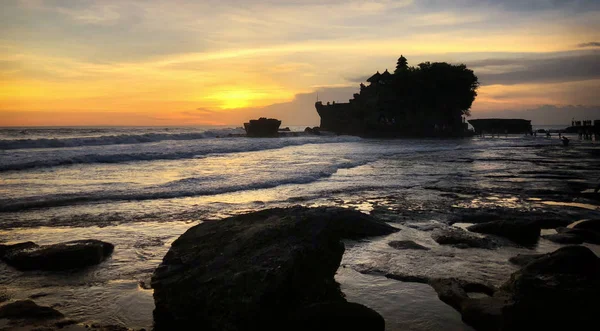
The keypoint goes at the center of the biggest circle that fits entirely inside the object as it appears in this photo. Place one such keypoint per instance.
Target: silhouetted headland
(430, 100)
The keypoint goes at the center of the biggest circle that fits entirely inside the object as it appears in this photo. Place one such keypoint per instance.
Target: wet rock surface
(564, 238)
(6, 249)
(524, 259)
(407, 244)
(27, 315)
(587, 224)
(575, 236)
(336, 316)
(27, 309)
(64, 256)
(519, 231)
(460, 238)
(556, 291)
(257, 271)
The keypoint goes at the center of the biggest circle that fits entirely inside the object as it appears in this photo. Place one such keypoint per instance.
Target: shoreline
(432, 185)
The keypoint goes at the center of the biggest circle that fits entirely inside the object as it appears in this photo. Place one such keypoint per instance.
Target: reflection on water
(141, 197)
(405, 306)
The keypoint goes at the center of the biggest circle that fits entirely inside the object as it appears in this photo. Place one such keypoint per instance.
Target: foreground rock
(262, 271)
(521, 232)
(564, 238)
(556, 291)
(6, 249)
(461, 239)
(524, 259)
(587, 224)
(335, 316)
(574, 235)
(27, 309)
(406, 244)
(63, 256)
(27, 315)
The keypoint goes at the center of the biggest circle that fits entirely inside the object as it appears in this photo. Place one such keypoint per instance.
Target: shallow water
(140, 189)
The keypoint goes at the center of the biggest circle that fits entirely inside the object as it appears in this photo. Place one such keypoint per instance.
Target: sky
(222, 62)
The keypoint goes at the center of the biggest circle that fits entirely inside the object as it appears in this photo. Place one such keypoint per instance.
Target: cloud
(590, 44)
(298, 112)
(520, 5)
(539, 70)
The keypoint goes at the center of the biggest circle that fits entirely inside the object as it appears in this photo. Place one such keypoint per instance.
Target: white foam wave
(170, 190)
(121, 139)
(28, 159)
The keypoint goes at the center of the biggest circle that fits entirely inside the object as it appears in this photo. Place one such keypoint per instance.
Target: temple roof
(374, 78)
(385, 75)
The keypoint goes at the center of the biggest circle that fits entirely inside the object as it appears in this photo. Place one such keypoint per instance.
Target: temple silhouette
(431, 99)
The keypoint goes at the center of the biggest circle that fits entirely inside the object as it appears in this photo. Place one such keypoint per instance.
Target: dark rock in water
(329, 316)
(315, 130)
(63, 256)
(591, 225)
(3, 296)
(408, 278)
(575, 236)
(250, 272)
(5, 249)
(27, 309)
(524, 259)
(461, 239)
(262, 127)
(521, 232)
(406, 244)
(556, 291)
(564, 238)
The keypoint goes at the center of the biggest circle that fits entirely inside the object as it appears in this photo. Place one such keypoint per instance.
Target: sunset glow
(157, 61)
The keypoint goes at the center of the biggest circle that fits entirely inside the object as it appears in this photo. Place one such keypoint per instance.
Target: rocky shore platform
(267, 270)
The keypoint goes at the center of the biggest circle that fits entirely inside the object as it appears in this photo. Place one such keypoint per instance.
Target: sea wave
(121, 139)
(170, 190)
(27, 159)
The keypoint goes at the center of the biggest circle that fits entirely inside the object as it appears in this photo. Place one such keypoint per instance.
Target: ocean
(141, 187)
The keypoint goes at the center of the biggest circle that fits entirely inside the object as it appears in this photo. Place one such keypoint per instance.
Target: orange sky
(130, 62)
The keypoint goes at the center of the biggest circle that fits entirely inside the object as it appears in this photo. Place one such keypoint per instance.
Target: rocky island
(430, 100)
(262, 127)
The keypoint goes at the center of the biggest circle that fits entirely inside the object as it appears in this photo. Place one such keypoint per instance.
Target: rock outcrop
(264, 270)
(6, 249)
(564, 238)
(64, 256)
(27, 309)
(556, 291)
(524, 259)
(461, 239)
(335, 316)
(407, 244)
(521, 232)
(575, 235)
(587, 224)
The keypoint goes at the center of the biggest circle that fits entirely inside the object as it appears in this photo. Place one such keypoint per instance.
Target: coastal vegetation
(426, 100)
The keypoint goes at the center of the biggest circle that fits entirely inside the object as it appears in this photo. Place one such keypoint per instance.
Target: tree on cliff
(447, 88)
